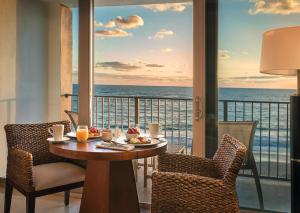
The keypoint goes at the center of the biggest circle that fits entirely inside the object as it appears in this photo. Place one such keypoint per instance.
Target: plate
(73, 135)
(153, 142)
(64, 139)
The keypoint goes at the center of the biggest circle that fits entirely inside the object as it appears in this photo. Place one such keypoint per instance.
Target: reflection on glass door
(247, 95)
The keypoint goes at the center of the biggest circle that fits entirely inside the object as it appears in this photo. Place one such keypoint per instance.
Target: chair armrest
(177, 192)
(186, 164)
(19, 168)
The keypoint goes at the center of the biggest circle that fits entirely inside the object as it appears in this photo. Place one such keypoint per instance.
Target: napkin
(121, 147)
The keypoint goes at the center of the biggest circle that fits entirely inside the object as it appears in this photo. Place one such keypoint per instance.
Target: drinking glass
(82, 133)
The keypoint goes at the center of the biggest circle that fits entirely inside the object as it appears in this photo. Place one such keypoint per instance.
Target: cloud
(133, 21)
(155, 65)
(281, 7)
(162, 34)
(116, 65)
(224, 55)
(166, 50)
(176, 7)
(112, 33)
(98, 24)
(110, 24)
(148, 79)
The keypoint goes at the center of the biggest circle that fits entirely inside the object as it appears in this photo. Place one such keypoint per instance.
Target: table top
(89, 151)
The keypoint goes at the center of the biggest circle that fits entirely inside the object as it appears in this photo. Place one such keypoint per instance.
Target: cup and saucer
(57, 131)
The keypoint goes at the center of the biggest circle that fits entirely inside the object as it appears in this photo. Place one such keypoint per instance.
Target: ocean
(267, 106)
(240, 94)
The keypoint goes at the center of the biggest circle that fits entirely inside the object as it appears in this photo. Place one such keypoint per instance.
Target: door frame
(198, 145)
(199, 70)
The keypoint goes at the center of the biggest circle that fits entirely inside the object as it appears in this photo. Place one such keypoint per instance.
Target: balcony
(271, 145)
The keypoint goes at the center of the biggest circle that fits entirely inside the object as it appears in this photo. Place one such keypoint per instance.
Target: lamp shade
(280, 54)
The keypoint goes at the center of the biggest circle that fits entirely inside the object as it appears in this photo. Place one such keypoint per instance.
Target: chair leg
(135, 169)
(153, 163)
(30, 204)
(8, 195)
(145, 171)
(258, 186)
(67, 197)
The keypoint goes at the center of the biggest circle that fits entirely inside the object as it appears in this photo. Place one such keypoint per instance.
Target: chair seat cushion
(50, 175)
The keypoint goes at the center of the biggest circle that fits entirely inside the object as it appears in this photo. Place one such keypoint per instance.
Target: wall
(31, 72)
(32, 61)
(7, 72)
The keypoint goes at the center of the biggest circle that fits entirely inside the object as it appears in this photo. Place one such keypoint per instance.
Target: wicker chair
(73, 118)
(244, 131)
(32, 169)
(188, 184)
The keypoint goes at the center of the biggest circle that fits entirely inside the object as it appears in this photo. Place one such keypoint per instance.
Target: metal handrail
(271, 145)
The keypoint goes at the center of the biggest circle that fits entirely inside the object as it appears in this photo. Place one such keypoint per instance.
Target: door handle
(198, 108)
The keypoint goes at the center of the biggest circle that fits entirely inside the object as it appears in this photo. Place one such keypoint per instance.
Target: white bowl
(129, 136)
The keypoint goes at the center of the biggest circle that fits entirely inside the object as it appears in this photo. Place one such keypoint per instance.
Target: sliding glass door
(149, 68)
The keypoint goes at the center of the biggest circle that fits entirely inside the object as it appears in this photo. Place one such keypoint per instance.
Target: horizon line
(222, 87)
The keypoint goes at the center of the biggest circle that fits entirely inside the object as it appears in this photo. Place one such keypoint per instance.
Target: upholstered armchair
(32, 169)
(186, 184)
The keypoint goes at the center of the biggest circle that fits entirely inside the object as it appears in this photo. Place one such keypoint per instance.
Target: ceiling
(99, 3)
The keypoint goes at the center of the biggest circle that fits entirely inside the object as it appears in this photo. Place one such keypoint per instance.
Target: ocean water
(272, 134)
(241, 94)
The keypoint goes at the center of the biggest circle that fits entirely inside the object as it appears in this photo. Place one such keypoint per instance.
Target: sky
(151, 45)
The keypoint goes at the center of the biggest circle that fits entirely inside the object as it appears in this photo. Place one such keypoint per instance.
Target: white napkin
(121, 147)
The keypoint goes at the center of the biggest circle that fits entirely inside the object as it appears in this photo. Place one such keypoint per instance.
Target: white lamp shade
(280, 53)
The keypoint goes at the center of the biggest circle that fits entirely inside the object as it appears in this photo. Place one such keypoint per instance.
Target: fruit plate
(122, 140)
(73, 135)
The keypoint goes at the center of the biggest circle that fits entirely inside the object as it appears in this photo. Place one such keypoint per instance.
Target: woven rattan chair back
(73, 118)
(229, 158)
(33, 138)
(241, 130)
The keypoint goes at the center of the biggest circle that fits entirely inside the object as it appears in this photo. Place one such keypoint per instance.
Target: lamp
(280, 55)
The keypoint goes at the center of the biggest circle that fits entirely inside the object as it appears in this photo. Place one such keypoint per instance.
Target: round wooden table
(109, 185)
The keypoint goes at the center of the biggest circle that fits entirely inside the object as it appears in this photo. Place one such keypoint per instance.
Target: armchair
(32, 169)
(193, 184)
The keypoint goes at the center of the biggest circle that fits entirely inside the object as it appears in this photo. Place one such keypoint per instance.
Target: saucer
(64, 139)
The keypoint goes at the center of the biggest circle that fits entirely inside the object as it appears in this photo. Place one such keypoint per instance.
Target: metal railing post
(137, 110)
(225, 111)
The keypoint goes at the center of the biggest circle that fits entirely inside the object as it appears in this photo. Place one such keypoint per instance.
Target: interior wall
(7, 73)
(30, 65)
(32, 61)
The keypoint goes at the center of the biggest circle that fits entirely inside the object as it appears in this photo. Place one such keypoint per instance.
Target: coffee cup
(106, 135)
(154, 129)
(57, 131)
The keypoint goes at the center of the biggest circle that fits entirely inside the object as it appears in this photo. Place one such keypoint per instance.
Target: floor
(51, 204)
(274, 197)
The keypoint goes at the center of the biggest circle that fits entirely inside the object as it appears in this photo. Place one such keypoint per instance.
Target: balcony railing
(271, 145)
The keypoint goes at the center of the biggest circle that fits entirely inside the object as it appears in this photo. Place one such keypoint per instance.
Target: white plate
(64, 139)
(73, 135)
(122, 140)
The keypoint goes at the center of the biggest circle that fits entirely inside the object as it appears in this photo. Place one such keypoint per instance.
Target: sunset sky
(152, 45)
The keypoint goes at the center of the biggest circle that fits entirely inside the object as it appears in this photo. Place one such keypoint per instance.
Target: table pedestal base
(109, 188)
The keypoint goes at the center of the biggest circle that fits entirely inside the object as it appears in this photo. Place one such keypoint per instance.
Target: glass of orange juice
(82, 133)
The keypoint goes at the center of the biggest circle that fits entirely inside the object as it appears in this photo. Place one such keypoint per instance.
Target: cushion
(50, 175)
